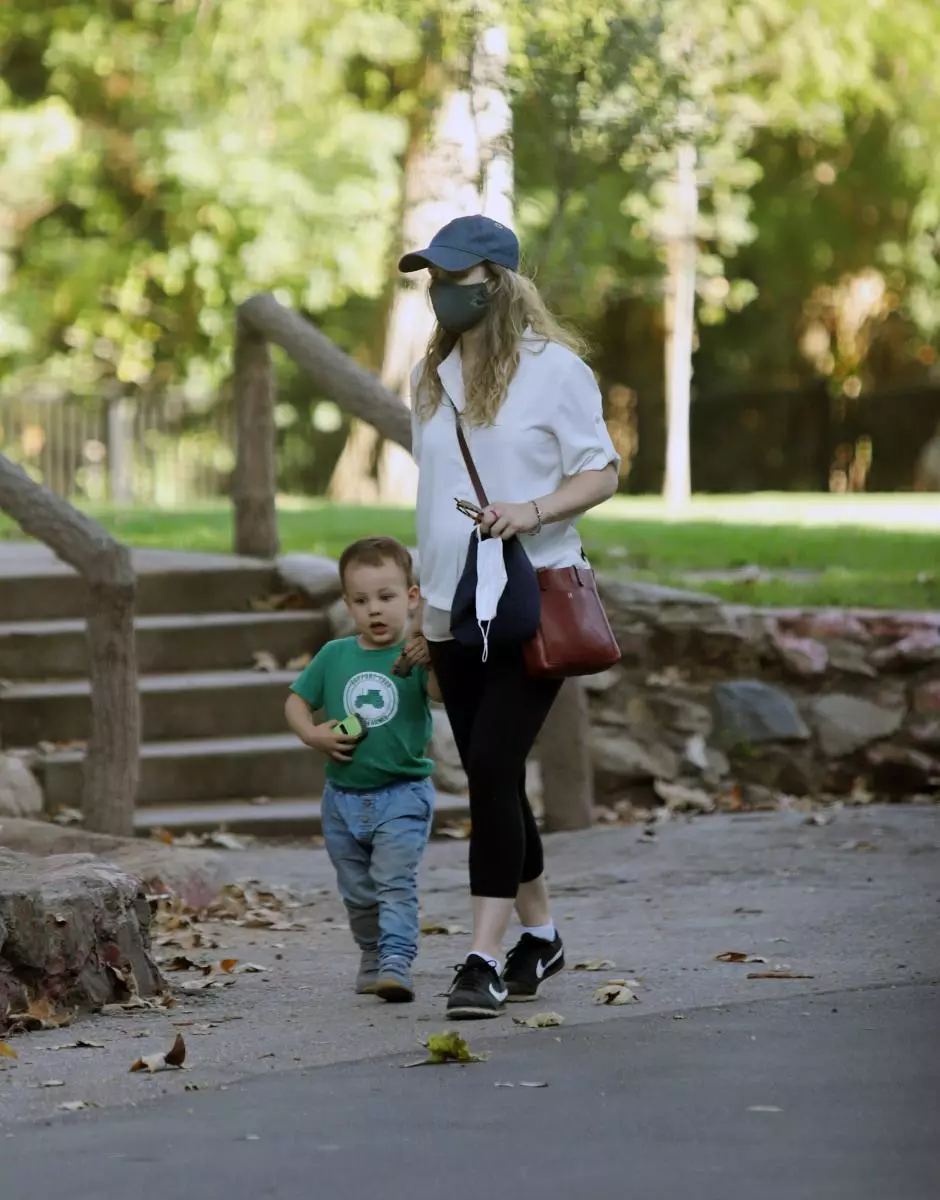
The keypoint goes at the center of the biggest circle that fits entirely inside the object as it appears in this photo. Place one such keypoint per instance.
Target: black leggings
(496, 711)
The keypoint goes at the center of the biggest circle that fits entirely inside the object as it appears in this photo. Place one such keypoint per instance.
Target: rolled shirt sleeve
(579, 423)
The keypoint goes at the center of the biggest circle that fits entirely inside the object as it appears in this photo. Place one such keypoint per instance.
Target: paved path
(294, 1056)
(830, 1097)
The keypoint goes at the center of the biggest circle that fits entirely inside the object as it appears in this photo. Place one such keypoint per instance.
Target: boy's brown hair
(374, 552)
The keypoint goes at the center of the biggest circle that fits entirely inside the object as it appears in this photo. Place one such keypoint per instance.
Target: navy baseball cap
(466, 243)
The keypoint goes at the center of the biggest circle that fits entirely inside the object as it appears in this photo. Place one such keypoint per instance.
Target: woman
(532, 414)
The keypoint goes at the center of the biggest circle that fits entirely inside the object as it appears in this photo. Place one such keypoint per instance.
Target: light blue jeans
(375, 841)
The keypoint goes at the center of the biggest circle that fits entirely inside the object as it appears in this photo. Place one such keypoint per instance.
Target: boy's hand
(337, 746)
(416, 651)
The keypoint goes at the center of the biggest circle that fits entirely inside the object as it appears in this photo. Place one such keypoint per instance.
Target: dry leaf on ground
(532, 1083)
(68, 816)
(52, 1083)
(222, 840)
(596, 964)
(7, 1051)
(458, 832)
(430, 928)
(39, 1014)
(615, 993)
(299, 663)
(447, 1047)
(172, 1058)
(264, 660)
(738, 956)
(545, 1020)
(778, 975)
(679, 798)
(80, 1044)
(74, 1105)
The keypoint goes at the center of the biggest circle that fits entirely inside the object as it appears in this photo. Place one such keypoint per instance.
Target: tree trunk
(112, 759)
(254, 487)
(680, 331)
(564, 755)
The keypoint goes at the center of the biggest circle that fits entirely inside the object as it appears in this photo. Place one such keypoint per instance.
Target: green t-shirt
(344, 678)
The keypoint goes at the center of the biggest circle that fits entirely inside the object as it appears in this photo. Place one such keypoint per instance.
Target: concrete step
(202, 704)
(279, 818)
(168, 642)
(198, 770)
(36, 586)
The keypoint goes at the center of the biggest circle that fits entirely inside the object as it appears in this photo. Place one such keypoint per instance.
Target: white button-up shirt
(550, 427)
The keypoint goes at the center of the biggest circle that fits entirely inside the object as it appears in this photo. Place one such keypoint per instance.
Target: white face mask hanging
(491, 583)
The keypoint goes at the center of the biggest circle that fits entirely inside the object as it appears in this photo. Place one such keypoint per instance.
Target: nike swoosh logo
(542, 967)
(499, 996)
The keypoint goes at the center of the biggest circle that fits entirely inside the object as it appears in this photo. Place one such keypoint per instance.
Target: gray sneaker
(394, 981)
(368, 975)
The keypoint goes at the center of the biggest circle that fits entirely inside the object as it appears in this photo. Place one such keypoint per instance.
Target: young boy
(379, 799)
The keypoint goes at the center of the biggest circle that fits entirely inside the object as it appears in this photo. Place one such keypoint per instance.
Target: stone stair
(215, 749)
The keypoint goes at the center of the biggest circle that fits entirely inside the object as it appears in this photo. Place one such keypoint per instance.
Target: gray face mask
(459, 306)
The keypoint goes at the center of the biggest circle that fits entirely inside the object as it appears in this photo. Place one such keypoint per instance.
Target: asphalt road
(823, 1097)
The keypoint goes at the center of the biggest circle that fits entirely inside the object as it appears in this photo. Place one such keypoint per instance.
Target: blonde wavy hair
(515, 308)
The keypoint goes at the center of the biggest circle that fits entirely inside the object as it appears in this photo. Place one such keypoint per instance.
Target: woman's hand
(504, 520)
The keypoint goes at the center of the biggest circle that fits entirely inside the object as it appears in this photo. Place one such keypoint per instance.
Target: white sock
(545, 932)
(494, 962)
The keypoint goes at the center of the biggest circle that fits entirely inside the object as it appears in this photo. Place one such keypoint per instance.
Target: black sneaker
(477, 991)
(528, 963)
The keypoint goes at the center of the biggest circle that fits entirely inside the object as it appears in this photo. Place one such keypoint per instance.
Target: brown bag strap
(468, 460)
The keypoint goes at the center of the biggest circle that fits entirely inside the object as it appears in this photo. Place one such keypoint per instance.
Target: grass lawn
(873, 551)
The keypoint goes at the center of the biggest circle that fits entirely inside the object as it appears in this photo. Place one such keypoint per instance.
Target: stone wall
(726, 705)
(797, 702)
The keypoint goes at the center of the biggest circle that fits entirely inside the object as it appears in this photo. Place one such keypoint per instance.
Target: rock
(850, 657)
(681, 714)
(926, 733)
(630, 594)
(927, 697)
(625, 760)
(782, 769)
(902, 770)
(801, 656)
(917, 649)
(317, 577)
(846, 723)
(831, 623)
(197, 876)
(65, 922)
(449, 774)
(20, 793)
(750, 712)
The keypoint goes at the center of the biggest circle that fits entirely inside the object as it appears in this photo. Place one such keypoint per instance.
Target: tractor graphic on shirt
(372, 697)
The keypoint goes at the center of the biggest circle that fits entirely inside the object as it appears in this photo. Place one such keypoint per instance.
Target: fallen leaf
(51, 1083)
(224, 966)
(867, 847)
(819, 818)
(764, 1108)
(224, 841)
(68, 816)
(532, 1084)
(261, 800)
(430, 928)
(172, 1058)
(39, 1014)
(299, 663)
(264, 660)
(270, 603)
(180, 962)
(615, 993)
(679, 798)
(748, 912)
(738, 956)
(458, 832)
(7, 1051)
(504, 1085)
(595, 964)
(778, 975)
(74, 1105)
(207, 982)
(250, 969)
(81, 1044)
(447, 1047)
(545, 1020)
